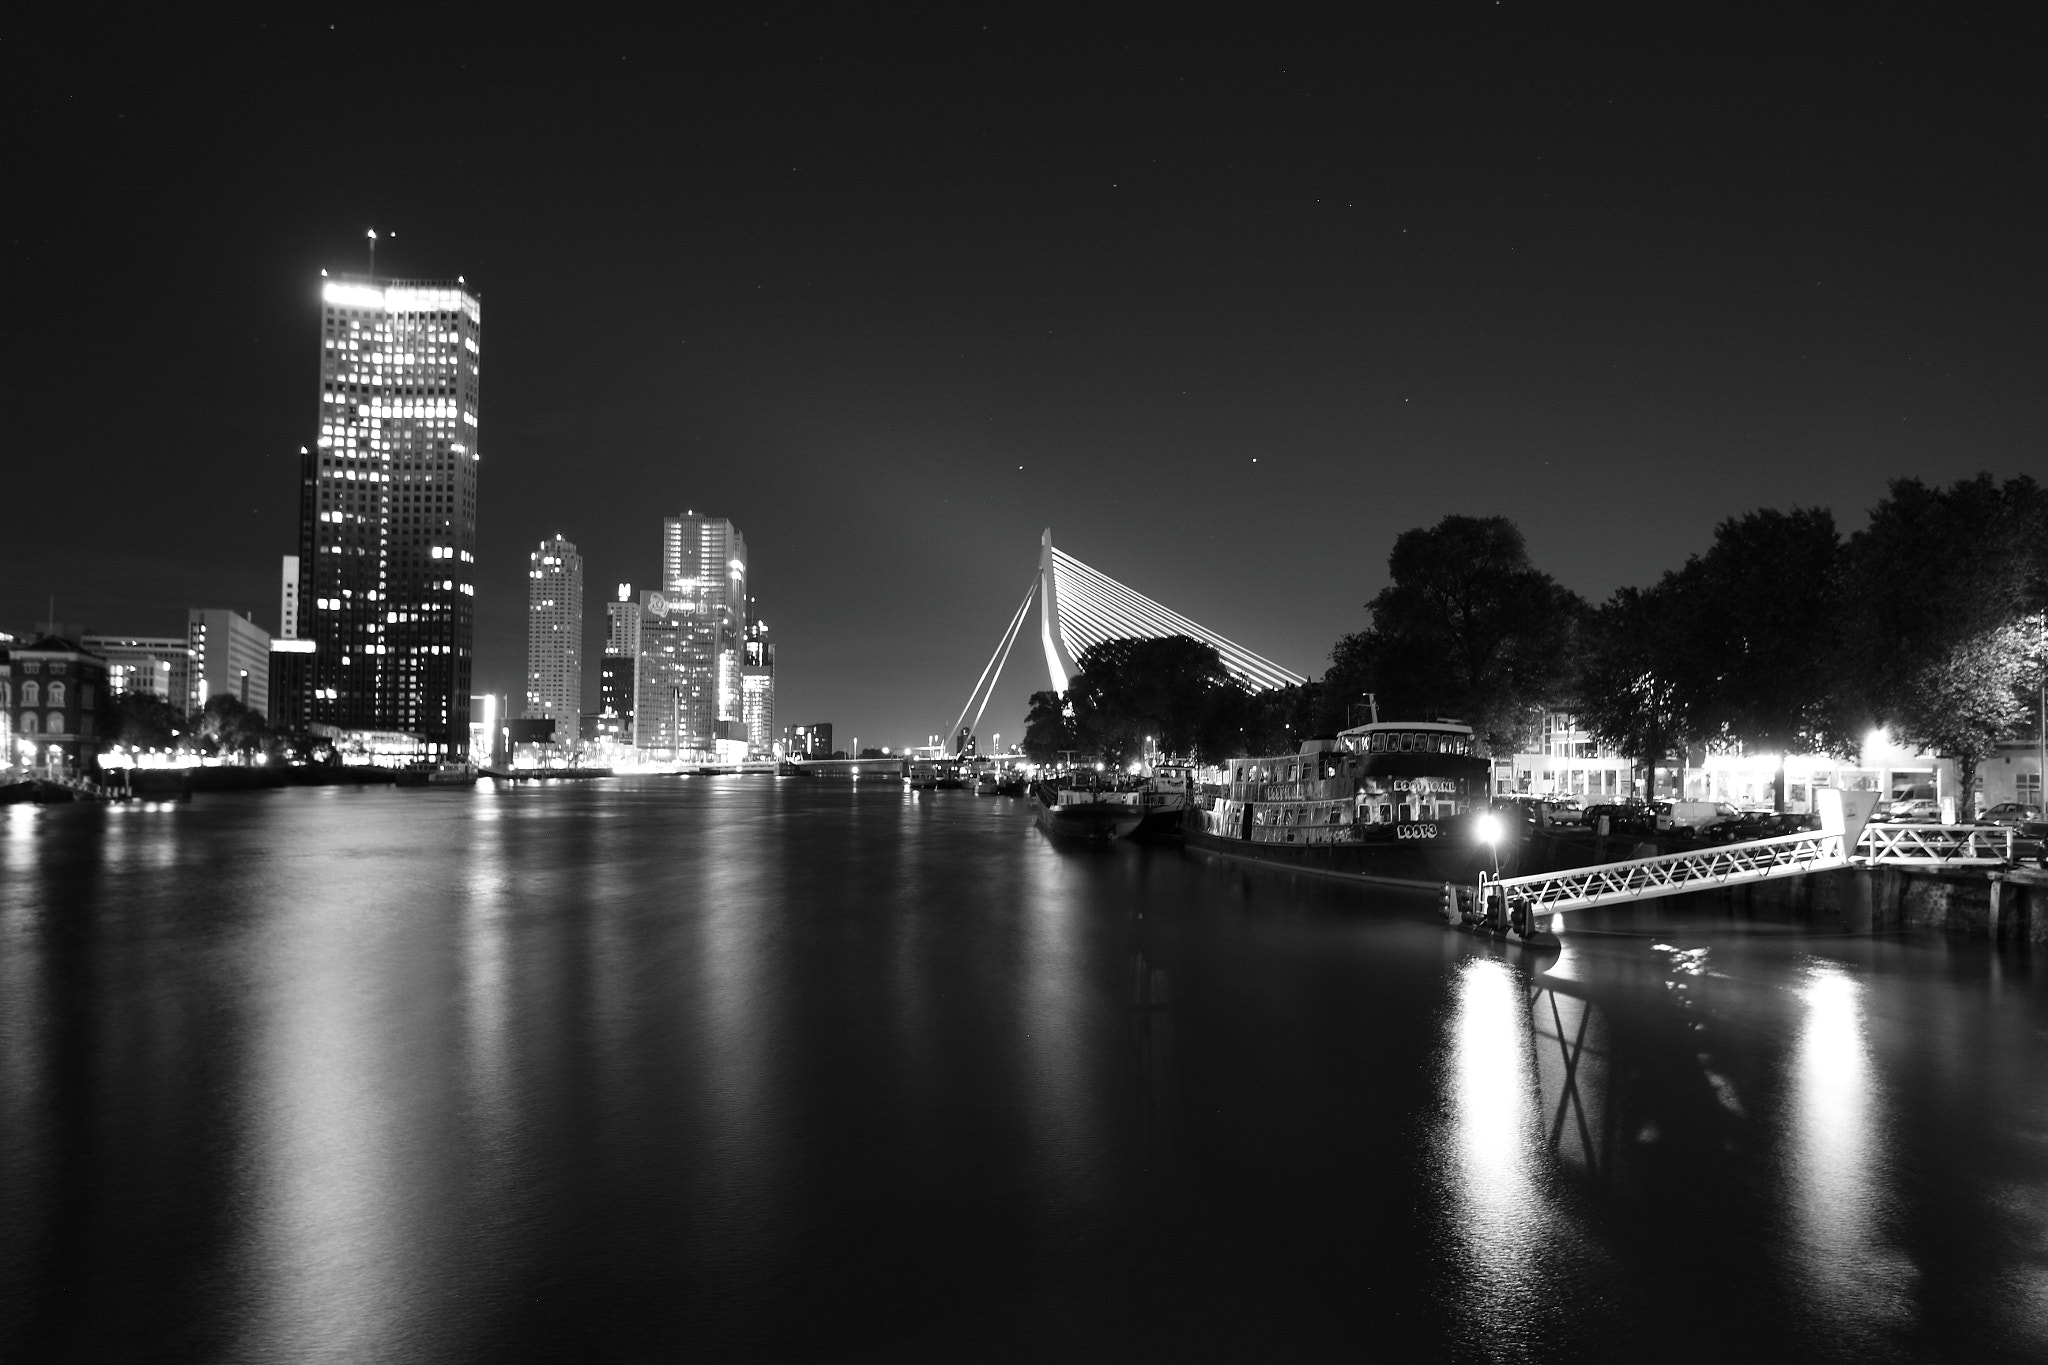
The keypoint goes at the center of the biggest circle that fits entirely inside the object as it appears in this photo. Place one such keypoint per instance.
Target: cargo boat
(1394, 801)
(1085, 812)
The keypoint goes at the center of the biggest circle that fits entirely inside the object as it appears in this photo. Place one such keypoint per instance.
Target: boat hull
(1092, 820)
(1417, 863)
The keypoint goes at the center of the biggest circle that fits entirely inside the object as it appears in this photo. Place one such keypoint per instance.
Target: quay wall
(2006, 905)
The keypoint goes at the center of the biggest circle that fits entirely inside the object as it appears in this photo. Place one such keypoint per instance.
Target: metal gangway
(1521, 904)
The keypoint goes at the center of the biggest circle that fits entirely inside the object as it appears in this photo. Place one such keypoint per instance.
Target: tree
(1049, 728)
(1754, 664)
(1467, 627)
(137, 720)
(227, 727)
(1939, 587)
(1631, 678)
(1131, 689)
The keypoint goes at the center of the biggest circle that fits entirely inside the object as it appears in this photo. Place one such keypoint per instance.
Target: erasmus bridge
(1080, 607)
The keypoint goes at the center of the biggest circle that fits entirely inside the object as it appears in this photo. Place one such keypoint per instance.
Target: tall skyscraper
(618, 672)
(387, 523)
(704, 578)
(757, 686)
(554, 637)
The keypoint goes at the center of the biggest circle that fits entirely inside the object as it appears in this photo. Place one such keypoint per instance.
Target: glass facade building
(554, 637)
(388, 503)
(704, 574)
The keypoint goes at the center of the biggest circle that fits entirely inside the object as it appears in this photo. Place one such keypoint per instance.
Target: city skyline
(1592, 281)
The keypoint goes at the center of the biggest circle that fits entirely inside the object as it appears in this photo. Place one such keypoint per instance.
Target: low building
(146, 665)
(808, 741)
(59, 690)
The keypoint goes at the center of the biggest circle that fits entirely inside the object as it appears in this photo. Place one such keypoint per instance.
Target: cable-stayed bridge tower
(1080, 607)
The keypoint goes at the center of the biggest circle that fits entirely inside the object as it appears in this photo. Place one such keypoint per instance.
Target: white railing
(1517, 902)
(1930, 845)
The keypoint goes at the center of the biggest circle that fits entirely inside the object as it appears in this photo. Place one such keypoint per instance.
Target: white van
(1691, 816)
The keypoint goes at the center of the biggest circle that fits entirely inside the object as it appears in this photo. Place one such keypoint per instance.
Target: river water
(734, 1068)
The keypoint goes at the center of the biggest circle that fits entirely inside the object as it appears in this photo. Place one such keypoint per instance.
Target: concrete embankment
(170, 783)
(2008, 905)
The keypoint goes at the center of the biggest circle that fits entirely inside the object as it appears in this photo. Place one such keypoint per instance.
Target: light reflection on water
(618, 1070)
(1499, 1214)
(1856, 1284)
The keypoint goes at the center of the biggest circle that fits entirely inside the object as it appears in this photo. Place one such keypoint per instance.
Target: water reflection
(1498, 1211)
(1855, 1284)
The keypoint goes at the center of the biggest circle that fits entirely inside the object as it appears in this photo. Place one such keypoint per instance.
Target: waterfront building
(757, 687)
(147, 665)
(704, 576)
(618, 669)
(58, 689)
(291, 673)
(676, 682)
(808, 741)
(388, 504)
(230, 656)
(554, 637)
(487, 732)
(8, 756)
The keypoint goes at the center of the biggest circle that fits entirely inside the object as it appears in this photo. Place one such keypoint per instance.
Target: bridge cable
(1002, 652)
(1016, 632)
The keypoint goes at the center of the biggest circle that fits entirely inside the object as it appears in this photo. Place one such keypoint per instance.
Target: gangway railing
(1928, 845)
(1517, 903)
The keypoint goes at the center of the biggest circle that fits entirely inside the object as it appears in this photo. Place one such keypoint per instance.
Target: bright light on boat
(1489, 828)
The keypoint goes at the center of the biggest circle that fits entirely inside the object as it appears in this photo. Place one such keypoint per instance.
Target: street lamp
(1490, 832)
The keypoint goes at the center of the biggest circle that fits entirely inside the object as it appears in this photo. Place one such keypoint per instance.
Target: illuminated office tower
(704, 576)
(675, 684)
(554, 637)
(757, 686)
(387, 524)
(617, 680)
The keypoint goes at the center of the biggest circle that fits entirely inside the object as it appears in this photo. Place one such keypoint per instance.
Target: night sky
(1226, 307)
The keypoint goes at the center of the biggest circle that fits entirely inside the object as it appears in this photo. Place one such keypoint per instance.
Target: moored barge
(1085, 811)
(1394, 801)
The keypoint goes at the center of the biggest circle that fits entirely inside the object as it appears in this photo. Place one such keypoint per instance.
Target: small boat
(452, 775)
(1086, 812)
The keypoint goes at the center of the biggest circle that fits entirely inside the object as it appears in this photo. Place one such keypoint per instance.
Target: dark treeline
(1782, 636)
(223, 728)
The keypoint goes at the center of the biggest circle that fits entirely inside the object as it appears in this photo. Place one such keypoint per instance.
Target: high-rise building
(675, 684)
(617, 674)
(231, 655)
(757, 686)
(554, 637)
(704, 578)
(387, 523)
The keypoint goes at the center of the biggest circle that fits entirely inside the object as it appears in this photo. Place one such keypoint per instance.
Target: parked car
(2015, 813)
(1795, 822)
(1920, 810)
(1738, 828)
(1692, 816)
(1623, 817)
(1881, 812)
